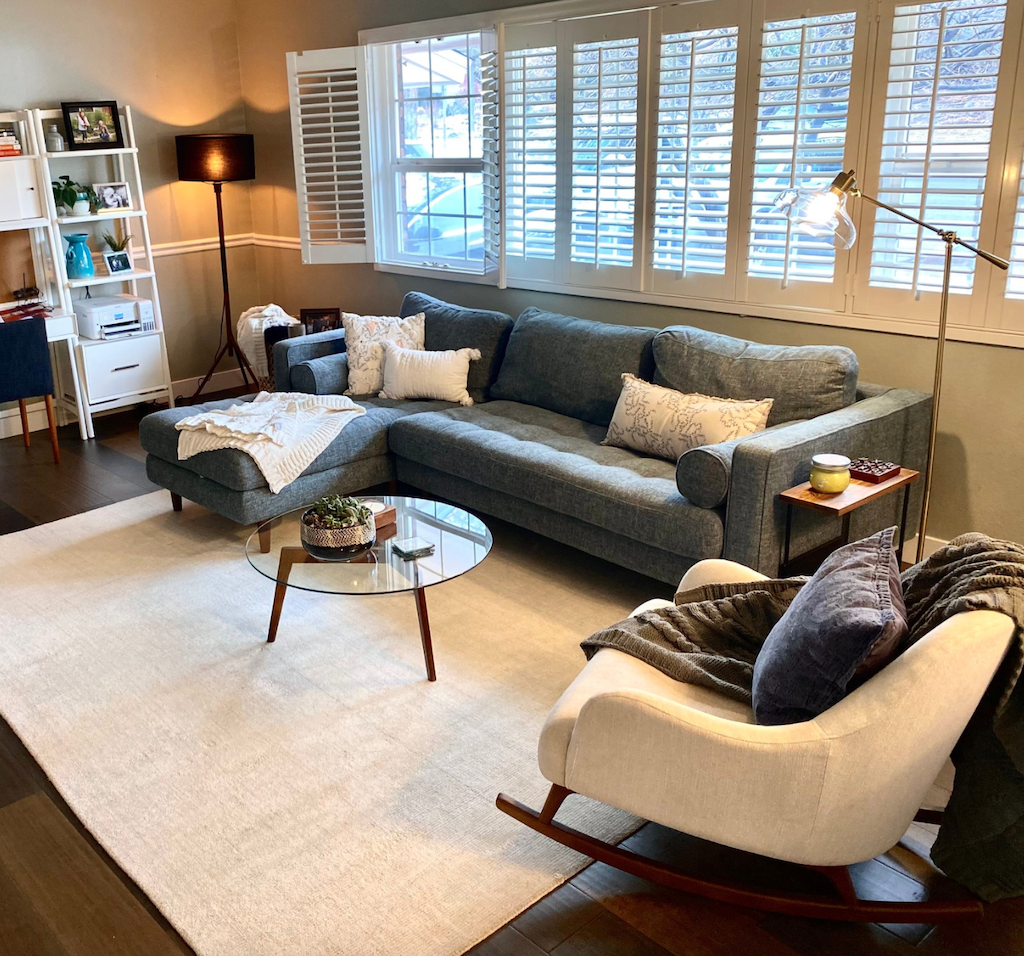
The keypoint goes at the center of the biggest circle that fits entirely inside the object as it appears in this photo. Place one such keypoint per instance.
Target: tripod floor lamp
(822, 212)
(219, 158)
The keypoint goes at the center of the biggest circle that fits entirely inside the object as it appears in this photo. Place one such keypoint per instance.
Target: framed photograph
(117, 262)
(92, 124)
(112, 197)
(320, 320)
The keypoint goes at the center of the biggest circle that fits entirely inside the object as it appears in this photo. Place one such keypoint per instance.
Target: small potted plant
(337, 528)
(78, 198)
(115, 244)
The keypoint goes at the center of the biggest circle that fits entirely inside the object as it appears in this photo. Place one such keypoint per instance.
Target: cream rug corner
(315, 796)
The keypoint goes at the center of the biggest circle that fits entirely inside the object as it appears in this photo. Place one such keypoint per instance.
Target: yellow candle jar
(830, 474)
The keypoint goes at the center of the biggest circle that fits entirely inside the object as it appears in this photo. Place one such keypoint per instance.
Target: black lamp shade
(216, 157)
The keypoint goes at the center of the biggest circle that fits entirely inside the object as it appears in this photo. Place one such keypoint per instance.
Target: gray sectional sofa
(529, 450)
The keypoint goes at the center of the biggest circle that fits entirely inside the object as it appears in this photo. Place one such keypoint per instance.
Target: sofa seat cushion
(805, 381)
(559, 462)
(572, 366)
(363, 437)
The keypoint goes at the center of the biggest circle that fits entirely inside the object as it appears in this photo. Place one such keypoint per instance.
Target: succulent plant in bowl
(336, 528)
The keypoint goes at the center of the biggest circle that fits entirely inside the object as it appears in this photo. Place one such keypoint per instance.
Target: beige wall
(177, 65)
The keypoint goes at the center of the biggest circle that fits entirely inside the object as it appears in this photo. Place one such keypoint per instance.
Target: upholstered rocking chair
(827, 793)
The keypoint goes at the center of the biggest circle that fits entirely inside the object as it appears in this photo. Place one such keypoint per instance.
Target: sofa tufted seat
(558, 462)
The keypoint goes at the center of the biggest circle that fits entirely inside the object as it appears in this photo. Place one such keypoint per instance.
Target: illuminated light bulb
(821, 207)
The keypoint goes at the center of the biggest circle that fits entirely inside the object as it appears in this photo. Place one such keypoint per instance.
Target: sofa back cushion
(453, 327)
(572, 366)
(805, 381)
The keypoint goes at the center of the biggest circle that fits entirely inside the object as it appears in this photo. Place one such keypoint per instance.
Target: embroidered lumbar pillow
(665, 423)
(412, 373)
(364, 335)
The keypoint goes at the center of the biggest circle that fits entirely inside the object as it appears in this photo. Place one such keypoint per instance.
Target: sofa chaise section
(228, 481)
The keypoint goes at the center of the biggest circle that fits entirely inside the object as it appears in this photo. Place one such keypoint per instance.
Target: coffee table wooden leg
(428, 649)
(289, 557)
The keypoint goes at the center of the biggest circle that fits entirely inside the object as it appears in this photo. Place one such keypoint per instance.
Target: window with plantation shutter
(803, 107)
(1015, 275)
(490, 87)
(530, 113)
(940, 99)
(328, 112)
(697, 75)
(605, 93)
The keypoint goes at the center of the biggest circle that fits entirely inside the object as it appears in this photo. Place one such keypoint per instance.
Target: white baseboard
(229, 378)
(931, 545)
(10, 420)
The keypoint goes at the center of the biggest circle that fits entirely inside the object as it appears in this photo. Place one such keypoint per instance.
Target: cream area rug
(313, 796)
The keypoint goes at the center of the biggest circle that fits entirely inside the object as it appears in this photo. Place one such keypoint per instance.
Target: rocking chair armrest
(718, 571)
(754, 787)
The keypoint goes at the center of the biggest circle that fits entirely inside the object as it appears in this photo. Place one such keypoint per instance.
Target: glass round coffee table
(461, 541)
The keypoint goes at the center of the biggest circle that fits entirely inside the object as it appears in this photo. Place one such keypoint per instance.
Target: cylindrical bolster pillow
(703, 474)
(322, 376)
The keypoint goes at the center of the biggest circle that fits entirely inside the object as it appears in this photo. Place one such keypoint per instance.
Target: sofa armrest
(321, 376)
(302, 348)
(892, 425)
(703, 474)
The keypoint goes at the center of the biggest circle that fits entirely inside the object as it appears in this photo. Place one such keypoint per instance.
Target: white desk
(61, 327)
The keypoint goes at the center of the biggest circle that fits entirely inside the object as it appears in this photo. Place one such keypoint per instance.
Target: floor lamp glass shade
(216, 157)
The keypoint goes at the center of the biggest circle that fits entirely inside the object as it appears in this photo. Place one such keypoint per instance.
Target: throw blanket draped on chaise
(712, 635)
(282, 433)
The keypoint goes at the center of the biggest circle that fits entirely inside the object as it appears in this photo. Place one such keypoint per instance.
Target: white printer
(114, 316)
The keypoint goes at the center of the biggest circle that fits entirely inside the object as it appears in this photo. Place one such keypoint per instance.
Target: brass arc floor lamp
(822, 212)
(219, 158)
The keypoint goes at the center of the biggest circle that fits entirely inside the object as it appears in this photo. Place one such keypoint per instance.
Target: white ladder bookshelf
(128, 369)
(24, 188)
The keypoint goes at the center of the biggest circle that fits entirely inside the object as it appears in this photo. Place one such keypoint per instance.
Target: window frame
(991, 319)
(388, 165)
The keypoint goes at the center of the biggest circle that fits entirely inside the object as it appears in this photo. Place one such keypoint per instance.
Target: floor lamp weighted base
(228, 349)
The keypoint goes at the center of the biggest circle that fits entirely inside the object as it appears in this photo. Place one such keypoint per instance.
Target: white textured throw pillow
(666, 423)
(364, 335)
(410, 373)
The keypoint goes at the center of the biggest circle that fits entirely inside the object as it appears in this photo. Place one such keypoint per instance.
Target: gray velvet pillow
(849, 613)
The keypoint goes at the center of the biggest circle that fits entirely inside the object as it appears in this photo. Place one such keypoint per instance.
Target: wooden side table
(845, 503)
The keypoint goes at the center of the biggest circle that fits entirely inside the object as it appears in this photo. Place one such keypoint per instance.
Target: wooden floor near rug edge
(62, 895)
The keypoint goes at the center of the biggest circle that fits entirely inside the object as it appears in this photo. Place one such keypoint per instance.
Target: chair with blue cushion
(25, 371)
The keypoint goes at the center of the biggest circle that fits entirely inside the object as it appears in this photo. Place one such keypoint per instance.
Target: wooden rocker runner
(827, 793)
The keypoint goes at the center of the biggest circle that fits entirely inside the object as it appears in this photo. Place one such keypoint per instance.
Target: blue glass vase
(79, 258)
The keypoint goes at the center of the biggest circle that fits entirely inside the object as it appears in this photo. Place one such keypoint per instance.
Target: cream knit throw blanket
(283, 432)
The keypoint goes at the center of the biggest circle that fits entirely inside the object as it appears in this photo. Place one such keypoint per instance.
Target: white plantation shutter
(608, 59)
(326, 91)
(490, 83)
(935, 146)
(690, 243)
(1015, 276)
(530, 117)
(803, 116)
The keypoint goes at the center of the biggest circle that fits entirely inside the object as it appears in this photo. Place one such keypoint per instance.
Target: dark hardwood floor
(61, 895)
